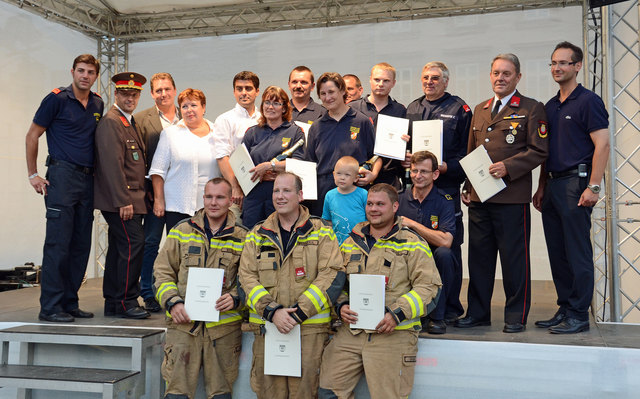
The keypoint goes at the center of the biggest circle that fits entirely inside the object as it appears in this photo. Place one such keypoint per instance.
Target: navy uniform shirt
(435, 211)
(265, 143)
(330, 140)
(455, 115)
(570, 124)
(392, 169)
(309, 114)
(69, 125)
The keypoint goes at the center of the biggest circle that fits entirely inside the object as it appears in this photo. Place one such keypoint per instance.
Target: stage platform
(463, 363)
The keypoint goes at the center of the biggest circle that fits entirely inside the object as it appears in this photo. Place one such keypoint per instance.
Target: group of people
(287, 260)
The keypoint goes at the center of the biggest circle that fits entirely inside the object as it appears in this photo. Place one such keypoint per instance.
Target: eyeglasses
(561, 64)
(421, 172)
(274, 104)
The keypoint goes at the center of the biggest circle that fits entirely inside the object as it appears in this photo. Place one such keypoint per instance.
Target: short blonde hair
(348, 162)
(385, 67)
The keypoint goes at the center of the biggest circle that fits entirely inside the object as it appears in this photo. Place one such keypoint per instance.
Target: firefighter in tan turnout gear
(211, 239)
(291, 273)
(387, 355)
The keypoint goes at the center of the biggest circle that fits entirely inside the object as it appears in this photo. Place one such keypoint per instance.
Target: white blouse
(185, 162)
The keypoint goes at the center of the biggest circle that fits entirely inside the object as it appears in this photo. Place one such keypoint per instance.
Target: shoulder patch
(56, 91)
(543, 132)
(466, 108)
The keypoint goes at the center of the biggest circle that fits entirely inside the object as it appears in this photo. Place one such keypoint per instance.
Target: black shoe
(554, 321)
(152, 305)
(470, 321)
(513, 328)
(80, 314)
(570, 326)
(450, 320)
(436, 327)
(61, 317)
(134, 313)
(109, 310)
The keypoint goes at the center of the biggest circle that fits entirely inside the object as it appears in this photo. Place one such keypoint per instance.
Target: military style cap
(129, 80)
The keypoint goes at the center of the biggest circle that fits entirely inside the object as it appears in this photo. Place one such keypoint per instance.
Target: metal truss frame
(96, 18)
(613, 71)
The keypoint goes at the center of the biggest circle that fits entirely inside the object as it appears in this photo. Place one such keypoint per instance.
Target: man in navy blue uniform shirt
(382, 80)
(429, 211)
(569, 187)
(301, 84)
(455, 115)
(69, 115)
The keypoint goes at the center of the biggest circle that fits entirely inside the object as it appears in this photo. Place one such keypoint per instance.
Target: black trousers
(123, 262)
(504, 229)
(567, 230)
(67, 244)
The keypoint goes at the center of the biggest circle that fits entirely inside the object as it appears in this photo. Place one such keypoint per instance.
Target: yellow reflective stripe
(254, 318)
(417, 308)
(254, 296)
(257, 239)
(185, 237)
(347, 247)
(405, 246)
(225, 318)
(316, 297)
(164, 287)
(315, 235)
(410, 324)
(236, 246)
(320, 318)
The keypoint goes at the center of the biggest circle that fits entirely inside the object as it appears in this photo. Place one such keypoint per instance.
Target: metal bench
(108, 382)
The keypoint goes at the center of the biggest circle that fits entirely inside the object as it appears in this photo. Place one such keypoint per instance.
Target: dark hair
(160, 76)
(302, 68)
(296, 178)
(577, 51)
(275, 93)
(421, 156)
(392, 193)
(247, 75)
(87, 59)
(220, 180)
(192, 94)
(357, 79)
(334, 77)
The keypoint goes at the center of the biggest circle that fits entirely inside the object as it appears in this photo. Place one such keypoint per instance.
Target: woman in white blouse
(184, 161)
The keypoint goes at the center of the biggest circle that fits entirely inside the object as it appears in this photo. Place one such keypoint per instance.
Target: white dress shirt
(230, 128)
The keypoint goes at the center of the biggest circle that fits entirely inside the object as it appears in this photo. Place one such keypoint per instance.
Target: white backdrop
(36, 56)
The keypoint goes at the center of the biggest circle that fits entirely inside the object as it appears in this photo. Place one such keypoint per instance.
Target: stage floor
(22, 306)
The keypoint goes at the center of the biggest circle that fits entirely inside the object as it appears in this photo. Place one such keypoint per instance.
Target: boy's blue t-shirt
(344, 211)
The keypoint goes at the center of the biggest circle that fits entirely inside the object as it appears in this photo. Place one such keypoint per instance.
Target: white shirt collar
(126, 115)
(503, 101)
(242, 111)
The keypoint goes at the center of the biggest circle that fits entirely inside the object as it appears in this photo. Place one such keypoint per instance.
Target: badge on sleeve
(542, 129)
(466, 108)
(434, 222)
(285, 141)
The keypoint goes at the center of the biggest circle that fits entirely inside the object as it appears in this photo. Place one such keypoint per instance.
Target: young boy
(344, 205)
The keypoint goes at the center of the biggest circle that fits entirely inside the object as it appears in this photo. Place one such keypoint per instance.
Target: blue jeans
(67, 243)
(153, 227)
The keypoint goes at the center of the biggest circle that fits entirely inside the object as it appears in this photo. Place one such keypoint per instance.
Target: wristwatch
(594, 187)
(273, 164)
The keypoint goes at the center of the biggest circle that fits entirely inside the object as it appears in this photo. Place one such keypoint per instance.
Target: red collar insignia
(124, 120)
(487, 104)
(515, 101)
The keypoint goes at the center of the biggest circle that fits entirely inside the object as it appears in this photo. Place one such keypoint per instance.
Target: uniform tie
(496, 108)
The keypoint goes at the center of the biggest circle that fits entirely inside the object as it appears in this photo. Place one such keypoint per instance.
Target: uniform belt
(557, 175)
(84, 169)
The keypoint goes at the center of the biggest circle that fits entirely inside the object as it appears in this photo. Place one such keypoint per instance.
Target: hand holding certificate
(427, 136)
(389, 132)
(476, 166)
(204, 287)
(282, 352)
(241, 163)
(366, 298)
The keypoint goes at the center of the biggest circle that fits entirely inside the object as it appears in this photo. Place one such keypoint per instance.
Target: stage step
(68, 345)
(108, 382)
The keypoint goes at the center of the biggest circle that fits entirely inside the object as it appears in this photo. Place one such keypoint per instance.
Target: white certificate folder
(282, 352)
(427, 136)
(241, 163)
(204, 287)
(306, 171)
(476, 166)
(366, 298)
(389, 132)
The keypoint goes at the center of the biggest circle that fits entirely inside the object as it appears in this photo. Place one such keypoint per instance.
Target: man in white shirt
(231, 126)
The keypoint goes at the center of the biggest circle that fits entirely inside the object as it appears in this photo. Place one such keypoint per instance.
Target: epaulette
(97, 94)
(414, 232)
(238, 224)
(324, 222)
(56, 91)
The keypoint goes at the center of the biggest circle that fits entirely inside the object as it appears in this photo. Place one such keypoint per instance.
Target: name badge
(300, 272)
